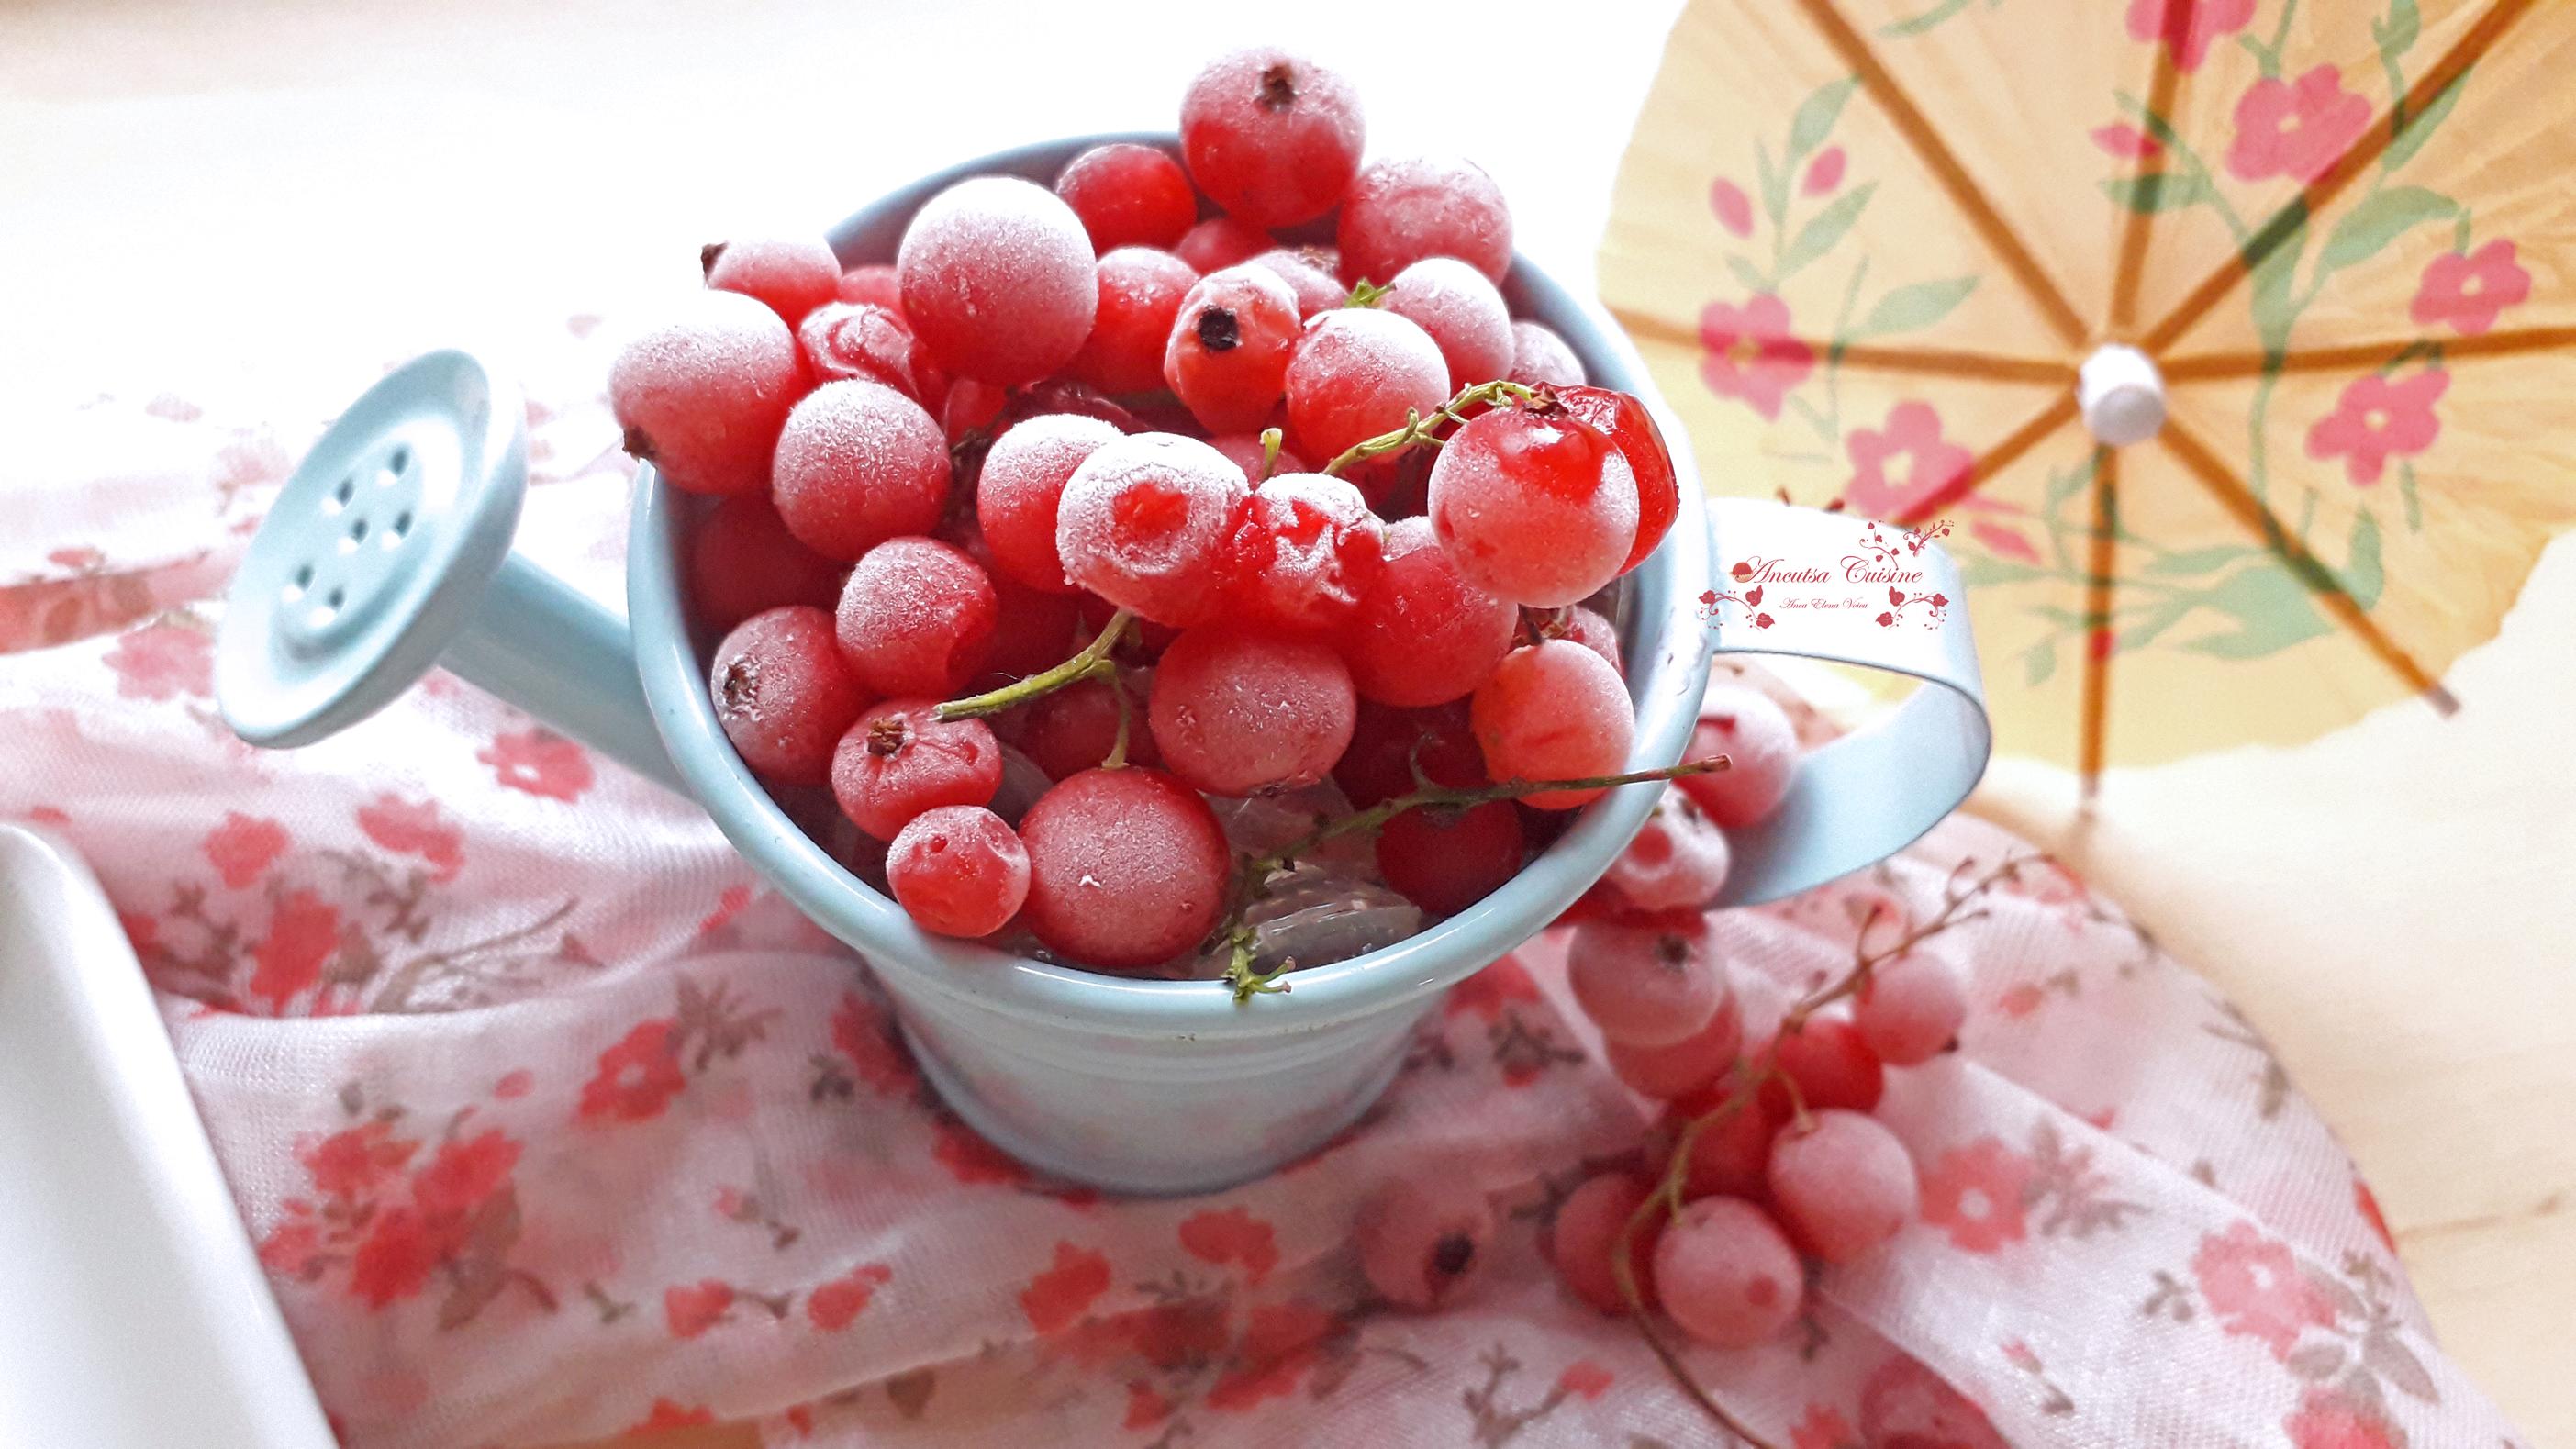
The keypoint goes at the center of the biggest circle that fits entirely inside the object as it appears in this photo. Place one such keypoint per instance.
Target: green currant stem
(1117, 758)
(1271, 441)
(1419, 428)
(1092, 663)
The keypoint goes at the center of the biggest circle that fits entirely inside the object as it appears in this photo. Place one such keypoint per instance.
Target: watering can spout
(389, 553)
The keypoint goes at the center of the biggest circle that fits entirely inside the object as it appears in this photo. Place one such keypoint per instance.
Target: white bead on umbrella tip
(2121, 394)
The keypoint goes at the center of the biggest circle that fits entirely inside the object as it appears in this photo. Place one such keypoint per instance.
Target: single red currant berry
(1220, 242)
(1910, 1010)
(783, 693)
(1271, 137)
(1144, 522)
(872, 282)
(1462, 311)
(845, 340)
(1541, 357)
(972, 407)
(998, 278)
(1128, 196)
(1680, 1068)
(1018, 493)
(859, 463)
(1761, 748)
(1253, 456)
(1308, 271)
(1536, 507)
(1445, 860)
(1127, 868)
(703, 395)
(1554, 711)
(1843, 1183)
(1423, 635)
(916, 617)
(1903, 1404)
(958, 870)
(1032, 633)
(1236, 712)
(1831, 1065)
(1359, 372)
(1646, 986)
(900, 759)
(1404, 209)
(791, 276)
(1625, 421)
(1731, 1153)
(1230, 345)
(1678, 861)
(743, 561)
(1593, 632)
(1305, 552)
(1140, 293)
(1388, 744)
(1075, 728)
(1423, 1242)
(1727, 1274)
(1583, 1241)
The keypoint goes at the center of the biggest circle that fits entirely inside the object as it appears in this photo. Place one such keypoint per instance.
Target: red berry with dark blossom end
(998, 277)
(872, 282)
(1387, 744)
(1220, 242)
(1236, 711)
(1359, 372)
(1631, 428)
(916, 617)
(1583, 1241)
(1140, 293)
(1424, 1241)
(1462, 311)
(958, 870)
(1540, 356)
(1304, 553)
(859, 463)
(1831, 1065)
(1645, 985)
(1230, 346)
(843, 340)
(1127, 868)
(702, 396)
(783, 693)
(743, 561)
(1536, 506)
(1403, 209)
(1271, 137)
(1423, 635)
(1554, 711)
(1308, 271)
(1727, 1275)
(1018, 493)
(899, 760)
(1445, 860)
(1843, 1184)
(790, 275)
(1128, 195)
(1760, 744)
(1145, 521)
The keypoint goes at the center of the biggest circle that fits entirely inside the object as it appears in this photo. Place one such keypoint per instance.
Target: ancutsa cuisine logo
(1882, 576)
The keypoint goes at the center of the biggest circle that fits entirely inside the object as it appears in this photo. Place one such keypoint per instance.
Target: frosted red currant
(1253, 456)
(872, 282)
(1359, 372)
(1022, 483)
(1593, 632)
(1540, 356)
(1128, 195)
(1465, 316)
(1678, 860)
(1624, 420)
(1911, 1008)
(916, 617)
(1033, 631)
(844, 340)
(1553, 711)
(1843, 1184)
(1140, 293)
(1075, 728)
(1271, 137)
(790, 275)
(1144, 522)
(1731, 1153)
(1760, 745)
(1727, 1274)
(859, 463)
(998, 278)
(1231, 342)
(1241, 712)
(958, 870)
(1308, 271)
(1644, 985)
(1423, 635)
(743, 561)
(1403, 209)
(1423, 1241)
(1222, 241)
(1445, 859)
(1678, 1069)
(703, 395)
(1535, 505)
(899, 760)
(1304, 553)
(1830, 1064)
(1127, 868)
(783, 693)
(1388, 743)
(1583, 1241)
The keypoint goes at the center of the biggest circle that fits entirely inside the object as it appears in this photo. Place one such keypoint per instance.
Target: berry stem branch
(1425, 428)
(1953, 913)
(1092, 663)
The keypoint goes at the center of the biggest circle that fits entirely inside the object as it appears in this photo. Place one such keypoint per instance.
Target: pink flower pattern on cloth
(600, 1136)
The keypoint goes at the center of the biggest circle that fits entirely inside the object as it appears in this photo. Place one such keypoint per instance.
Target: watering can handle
(1802, 583)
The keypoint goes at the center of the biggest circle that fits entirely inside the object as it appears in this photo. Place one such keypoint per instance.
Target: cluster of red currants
(1323, 511)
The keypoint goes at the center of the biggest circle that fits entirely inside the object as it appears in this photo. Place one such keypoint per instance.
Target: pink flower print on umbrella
(2296, 129)
(2378, 418)
(2467, 291)
(1751, 354)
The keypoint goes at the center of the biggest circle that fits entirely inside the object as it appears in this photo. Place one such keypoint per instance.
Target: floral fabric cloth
(551, 1123)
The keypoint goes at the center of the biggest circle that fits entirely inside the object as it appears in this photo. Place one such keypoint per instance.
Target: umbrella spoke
(2098, 585)
(2248, 510)
(2318, 194)
(2131, 267)
(1994, 460)
(2366, 355)
(1932, 361)
(1945, 168)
